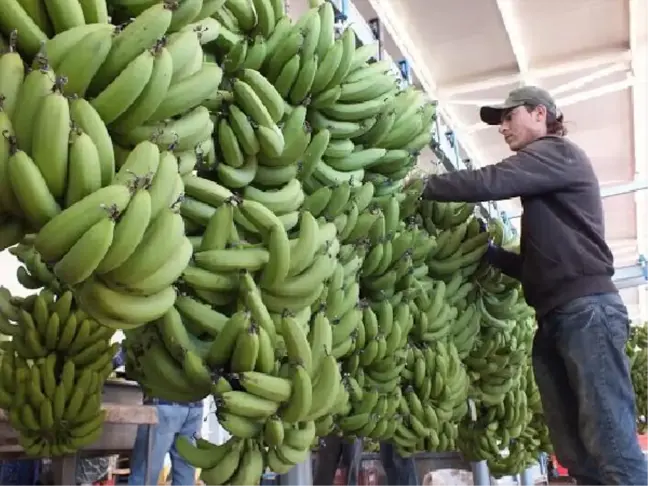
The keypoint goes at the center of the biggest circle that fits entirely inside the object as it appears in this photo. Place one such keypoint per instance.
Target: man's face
(521, 126)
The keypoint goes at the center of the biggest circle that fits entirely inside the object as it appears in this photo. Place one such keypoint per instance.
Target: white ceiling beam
(638, 20)
(512, 25)
(583, 81)
(567, 100)
(574, 65)
(590, 94)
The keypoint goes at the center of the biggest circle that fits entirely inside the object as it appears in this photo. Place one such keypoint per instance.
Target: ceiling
(591, 54)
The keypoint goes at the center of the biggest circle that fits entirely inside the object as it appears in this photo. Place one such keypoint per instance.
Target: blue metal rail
(632, 276)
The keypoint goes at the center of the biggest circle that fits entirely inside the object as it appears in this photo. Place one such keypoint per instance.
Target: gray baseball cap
(526, 95)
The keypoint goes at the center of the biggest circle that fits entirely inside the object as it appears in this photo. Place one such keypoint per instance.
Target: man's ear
(540, 112)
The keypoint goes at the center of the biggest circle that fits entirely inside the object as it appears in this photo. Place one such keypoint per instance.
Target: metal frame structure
(631, 276)
(636, 186)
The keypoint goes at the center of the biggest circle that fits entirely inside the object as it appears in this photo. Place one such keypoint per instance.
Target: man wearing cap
(566, 271)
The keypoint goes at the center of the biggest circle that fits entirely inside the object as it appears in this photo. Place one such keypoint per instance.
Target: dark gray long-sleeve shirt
(508, 262)
(563, 253)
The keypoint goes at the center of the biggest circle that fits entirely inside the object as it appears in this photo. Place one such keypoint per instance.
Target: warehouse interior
(591, 55)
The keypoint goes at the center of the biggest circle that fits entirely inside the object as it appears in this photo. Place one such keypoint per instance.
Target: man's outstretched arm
(537, 169)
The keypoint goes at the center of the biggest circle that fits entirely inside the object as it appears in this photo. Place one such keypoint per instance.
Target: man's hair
(555, 125)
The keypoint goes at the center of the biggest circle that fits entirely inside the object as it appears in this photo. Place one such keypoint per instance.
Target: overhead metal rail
(606, 191)
(633, 275)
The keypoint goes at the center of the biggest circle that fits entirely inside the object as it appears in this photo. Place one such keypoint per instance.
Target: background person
(173, 419)
(336, 452)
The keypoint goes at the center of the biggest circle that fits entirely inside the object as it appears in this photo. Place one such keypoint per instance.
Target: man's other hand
(492, 248)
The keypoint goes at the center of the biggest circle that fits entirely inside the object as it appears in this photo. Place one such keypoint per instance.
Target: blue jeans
(23, 471)
(173, 420)
(399, 470)
(582, 373)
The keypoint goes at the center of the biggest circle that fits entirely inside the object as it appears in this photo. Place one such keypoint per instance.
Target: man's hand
(508, 262)
(483, 227)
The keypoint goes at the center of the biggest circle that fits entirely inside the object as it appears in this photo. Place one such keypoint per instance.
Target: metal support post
(300, 475)
(481, 474)
(406, 71)
(526, 477)
(374, 25)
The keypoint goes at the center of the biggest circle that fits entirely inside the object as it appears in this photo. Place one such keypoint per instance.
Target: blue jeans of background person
(173, 420)
(583, 376)
(338, 452)
(24, 471)
(332, 449)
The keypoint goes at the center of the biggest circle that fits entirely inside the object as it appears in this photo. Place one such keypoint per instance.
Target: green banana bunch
(54, 150)
(8, 316)
(374, 369)
(637, 351)
(100, 244)
(52, 373)
(459, 248)
(435, 395)
(533, 437)
(180, 373)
